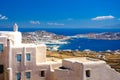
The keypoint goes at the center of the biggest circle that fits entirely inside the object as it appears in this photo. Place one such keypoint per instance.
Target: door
(1, 72)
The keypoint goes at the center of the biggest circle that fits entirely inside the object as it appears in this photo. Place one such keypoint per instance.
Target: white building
(20, 61)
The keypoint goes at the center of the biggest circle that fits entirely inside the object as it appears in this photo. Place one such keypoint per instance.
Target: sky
(60, 13)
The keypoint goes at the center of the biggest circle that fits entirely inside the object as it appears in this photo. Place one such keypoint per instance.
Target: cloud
(3, 17)
(34, 22)
(119, 19)
(103, 17)
(55, 24)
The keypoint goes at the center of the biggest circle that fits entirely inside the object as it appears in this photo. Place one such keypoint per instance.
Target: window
(87, 73)
(18, 76)
(1, 48)
(1, 69)
(28, 56)
(42, 74)
(28, 75)
(19, 57)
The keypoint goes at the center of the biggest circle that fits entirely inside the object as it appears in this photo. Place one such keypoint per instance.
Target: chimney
(15, 27)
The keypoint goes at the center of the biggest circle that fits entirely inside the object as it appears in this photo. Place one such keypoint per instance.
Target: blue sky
(60, 13)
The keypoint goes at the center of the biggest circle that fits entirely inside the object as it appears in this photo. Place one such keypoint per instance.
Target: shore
(56, 42)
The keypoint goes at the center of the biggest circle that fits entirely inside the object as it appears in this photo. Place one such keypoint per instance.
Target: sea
(79, 43)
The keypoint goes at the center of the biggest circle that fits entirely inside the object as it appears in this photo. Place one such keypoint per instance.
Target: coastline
(77, 42)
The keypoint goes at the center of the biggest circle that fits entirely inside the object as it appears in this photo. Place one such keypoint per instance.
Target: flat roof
(29, 45)
(85, 60)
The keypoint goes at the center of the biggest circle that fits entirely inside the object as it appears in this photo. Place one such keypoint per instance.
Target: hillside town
(43, 37)
(52, 38)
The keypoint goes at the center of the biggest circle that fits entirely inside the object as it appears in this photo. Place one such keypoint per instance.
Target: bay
(79, 43)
